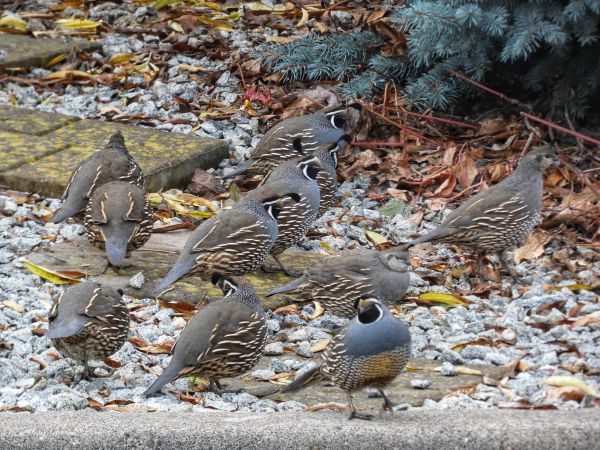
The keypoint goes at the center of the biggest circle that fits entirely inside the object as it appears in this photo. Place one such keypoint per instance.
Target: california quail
(113, 163)
(500, 218)
(276, 146)
(297, 176)
(118, 219)
(225, 339)
(370, 351)
(337, 281)
(88, 321)
(234, 242)
(327, 177)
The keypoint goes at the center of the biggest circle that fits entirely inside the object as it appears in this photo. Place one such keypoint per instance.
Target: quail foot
(88, 321)
(224, 339)
(113, 163)
(370, 351)
(500, 218)
(337, 281)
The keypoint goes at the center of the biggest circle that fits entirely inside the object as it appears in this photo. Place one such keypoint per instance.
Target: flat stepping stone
(27, 51)
(155, 259)
(42, 157)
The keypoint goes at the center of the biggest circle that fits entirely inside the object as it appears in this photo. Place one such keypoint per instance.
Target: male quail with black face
(276, 146)
(297, 176)
(225, 339)
(113, 163)
(88, 321)
(337, 281)
(118, 219)
(370, 351)
(500, 218)
(234, 242)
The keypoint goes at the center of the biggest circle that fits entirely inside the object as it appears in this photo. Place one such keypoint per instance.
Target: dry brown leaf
(569, 393)
(319, 310)
(491, 126)
(43, 364)
(466, 170)
(584, 321)
(398, 194)
(320, 346)
(12, 305)
(529, 252)
(328, 406)
(304, 19)
(97, 405)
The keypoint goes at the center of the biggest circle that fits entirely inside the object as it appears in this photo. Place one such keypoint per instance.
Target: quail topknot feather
(88, 321)
(337, 281)
(118, 219)
(500, 218)
(113, 163)
(298, 176)
(226, 338)
(370, 351)
(234, 242)
(276, 146)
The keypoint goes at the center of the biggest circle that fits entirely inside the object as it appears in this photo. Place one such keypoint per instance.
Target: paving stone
(31, 121)
(167, 159)
(27, 51)
(17, 150)
(155, 265)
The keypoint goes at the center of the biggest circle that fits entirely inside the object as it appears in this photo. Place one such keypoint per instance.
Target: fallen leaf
(563, 381)
(304, 19)
(214, 23)
(569, 393)
(52, 276)
(584, 321)
(573, 287)
(97, 405)
(327, 406)
(528, 252)
(375, 237)
(320, 346)
(69, 74)
(394, 210)
(480, 341)
(446, 299)
(12, 21)
(111, 363)
(77, 24)
(193, 69)
(119, 58)
(6, 346)
(205, 185)
(12, 305)
(319, 310)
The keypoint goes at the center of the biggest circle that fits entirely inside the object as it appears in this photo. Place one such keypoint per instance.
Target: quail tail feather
(241, 168)
(313, 376)
(116, 249)
(68, 210)
(168, 375)
(67, 327)
(294, 285)
(177, 271)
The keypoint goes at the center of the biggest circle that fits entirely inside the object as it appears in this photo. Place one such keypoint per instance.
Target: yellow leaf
(175, 26)
(573, 287)
(209, 114)
(199, 214)
(155, 199)
(319, 310)
(58, 59)
(412, 369)
(119, 58)
(258, 6)
(320, 346)
(78, 24)
(441, 298)
(214, 23)
(69, 74)
(233, 16)
(13, 305)
(280, 39)
(11, 21)
(50, 275)
(211, 5)
(249, 110)
(324, 245)
(570, 381)
(376, 237)
(192, 69)
(304, 18)
(176, 206)
(462, 370)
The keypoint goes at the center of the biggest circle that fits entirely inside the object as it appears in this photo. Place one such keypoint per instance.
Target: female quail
(113, 163)
(339, 280)
(118, 219)
(276, 146)
(88, 321)
(370, 351)
(297, 176)
(224, 339)
(234, 242)
(500, 218)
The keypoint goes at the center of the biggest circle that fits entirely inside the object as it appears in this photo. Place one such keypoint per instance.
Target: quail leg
(217, 388)
(387, 405)
(357, 415)
(288, 272)
(509, 269)
(114, 268)
(87, 373)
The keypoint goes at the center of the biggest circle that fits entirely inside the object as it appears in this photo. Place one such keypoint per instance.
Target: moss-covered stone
(31, 121)
(27, 51)
(18, 149)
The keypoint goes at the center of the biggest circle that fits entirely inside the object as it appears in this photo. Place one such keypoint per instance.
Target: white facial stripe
(232, 288)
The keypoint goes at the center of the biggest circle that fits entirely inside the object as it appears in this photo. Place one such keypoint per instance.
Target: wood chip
(12, 305)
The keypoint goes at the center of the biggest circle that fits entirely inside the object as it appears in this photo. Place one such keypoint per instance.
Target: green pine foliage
(552, 45)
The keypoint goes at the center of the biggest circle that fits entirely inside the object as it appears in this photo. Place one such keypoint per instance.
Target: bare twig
(437, 119)
(563, 129)
(568, 117)
(578, 173)
(527, 144)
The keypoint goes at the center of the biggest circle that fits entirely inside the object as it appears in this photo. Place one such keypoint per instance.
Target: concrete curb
(422, 429)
